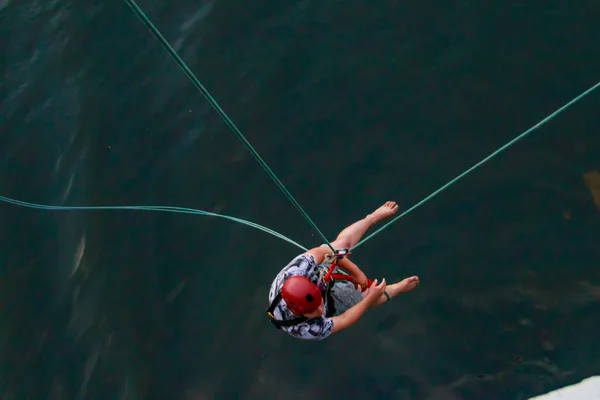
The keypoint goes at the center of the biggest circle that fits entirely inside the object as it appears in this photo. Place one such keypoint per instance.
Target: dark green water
(351, 103)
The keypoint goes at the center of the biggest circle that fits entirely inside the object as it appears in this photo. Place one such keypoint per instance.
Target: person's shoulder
(303, 265)
(304, 259)
(311, 329)
(299, 265)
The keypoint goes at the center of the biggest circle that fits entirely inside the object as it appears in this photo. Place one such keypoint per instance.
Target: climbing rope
(480, 163)
(241, 137)
(181, 210)
(144, 18)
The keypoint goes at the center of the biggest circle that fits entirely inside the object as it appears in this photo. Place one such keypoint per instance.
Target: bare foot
(385, 211)
(405, 285)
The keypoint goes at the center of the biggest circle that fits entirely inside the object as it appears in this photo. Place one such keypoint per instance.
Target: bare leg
(405, 285)
(351, 235)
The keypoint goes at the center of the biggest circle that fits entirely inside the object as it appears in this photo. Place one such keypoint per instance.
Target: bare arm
(350, 317)
(358, 277)
(349, 267)
(319, 253)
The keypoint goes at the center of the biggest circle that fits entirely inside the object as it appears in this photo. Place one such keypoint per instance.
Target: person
(302, 304)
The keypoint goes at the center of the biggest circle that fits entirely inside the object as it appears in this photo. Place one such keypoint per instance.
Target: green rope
(138, 11)
(480, 163)
(181, 210)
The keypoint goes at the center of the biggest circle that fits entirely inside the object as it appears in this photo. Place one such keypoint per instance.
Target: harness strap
(278, 323)
(331, 311)
(334, 259)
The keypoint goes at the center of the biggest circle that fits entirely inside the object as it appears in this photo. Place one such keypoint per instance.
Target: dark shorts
(343, 293)
(344, 296)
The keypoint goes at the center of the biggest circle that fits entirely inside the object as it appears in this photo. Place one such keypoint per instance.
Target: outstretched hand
(375, 291)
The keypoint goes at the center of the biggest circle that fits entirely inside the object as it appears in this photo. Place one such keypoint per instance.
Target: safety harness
(329, 279)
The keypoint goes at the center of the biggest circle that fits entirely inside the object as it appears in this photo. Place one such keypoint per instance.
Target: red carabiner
(330, 276)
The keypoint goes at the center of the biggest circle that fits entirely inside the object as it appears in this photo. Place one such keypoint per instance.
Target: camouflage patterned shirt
(312, 329)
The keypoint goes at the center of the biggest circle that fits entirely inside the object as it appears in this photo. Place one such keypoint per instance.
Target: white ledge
(587, 389)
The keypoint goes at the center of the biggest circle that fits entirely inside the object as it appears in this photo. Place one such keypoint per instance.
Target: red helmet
(301, 295)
